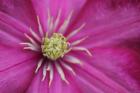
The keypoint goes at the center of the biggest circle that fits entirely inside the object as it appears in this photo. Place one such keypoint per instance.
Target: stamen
(61, 72)
(32, 48)
(35, 35)
(57, 20)
(68, 67)
(32, 40)
(28, 44)
(75, 31)
(50, 68)
(65, 24)
(72, 59)
(51, 26)
(82, 49)
(40, 27)
(39, 65)
(49, 18)
(78, 41)
(54, 47)
(44, 72)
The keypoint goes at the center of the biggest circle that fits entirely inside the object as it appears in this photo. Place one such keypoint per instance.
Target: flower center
(55, 46)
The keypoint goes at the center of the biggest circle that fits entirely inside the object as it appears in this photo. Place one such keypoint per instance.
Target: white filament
(31, 40)
(78, 41)
(72, 59)
(61, 72)
(82, 49)
(50, 68)
(28, 45)
(64, 26)
(31, 48)
(44, 72)
(57, 20)
(35, 35)
(40, 27)
(67, 67)
(75, 31)
(39, 65)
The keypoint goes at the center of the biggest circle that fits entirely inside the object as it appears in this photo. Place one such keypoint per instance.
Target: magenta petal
(11, 57)
(11, 52)
(111, 70)
(17, 78)
(21, 10)
(54, 6)
(110, 22)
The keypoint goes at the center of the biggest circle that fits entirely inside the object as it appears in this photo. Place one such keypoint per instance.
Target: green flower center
(55, 46)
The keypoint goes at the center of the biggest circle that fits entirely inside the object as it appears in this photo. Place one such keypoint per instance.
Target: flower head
(54, 47)
(69, 46)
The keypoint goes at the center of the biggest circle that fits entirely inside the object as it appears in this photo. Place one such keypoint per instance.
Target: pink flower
(69, 46)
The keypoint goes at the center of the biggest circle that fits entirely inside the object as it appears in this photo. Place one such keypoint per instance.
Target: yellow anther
(55, 46)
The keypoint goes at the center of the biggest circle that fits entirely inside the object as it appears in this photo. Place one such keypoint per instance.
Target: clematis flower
(69, 46)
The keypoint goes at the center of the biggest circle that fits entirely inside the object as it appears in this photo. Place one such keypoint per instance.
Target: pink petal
(21, 10)
(17, 78)
(109, 70)
(11, 51)
(54, 6)
(110, 22)
(10, 36)
(10, 57)
(13, 26)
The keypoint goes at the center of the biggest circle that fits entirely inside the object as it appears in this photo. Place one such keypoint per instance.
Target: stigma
(55, 47)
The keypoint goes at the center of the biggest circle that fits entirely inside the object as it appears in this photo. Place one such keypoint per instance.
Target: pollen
(55, 46)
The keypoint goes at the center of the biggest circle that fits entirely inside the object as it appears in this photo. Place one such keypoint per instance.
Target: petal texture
(109, 70)
(20, 10)
(17, 78)
(110, 22)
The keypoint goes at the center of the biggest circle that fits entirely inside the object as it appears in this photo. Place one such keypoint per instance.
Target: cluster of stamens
(55, 47)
